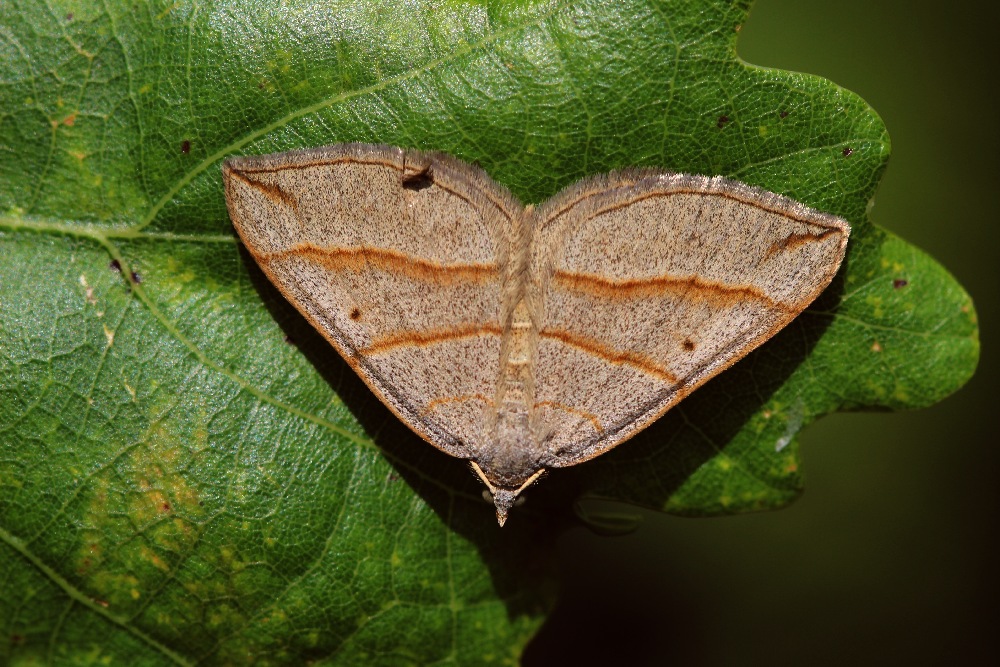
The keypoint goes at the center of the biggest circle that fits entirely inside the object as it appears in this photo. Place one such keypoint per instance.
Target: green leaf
(188, 473)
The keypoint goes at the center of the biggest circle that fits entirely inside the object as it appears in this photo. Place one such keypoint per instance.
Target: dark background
(889, 556)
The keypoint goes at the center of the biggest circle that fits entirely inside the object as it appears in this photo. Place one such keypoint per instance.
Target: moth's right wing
(653, 283)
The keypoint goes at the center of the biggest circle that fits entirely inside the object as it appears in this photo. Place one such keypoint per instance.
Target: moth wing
(653, 283)
(395, 257)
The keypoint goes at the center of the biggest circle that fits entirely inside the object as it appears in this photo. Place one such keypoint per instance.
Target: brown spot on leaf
(185, 147)
(848, 151)
(356, 314)
(722, 121)
(136, 278)
(782, 114)
(115, 265)
(900, 282)
(688, 345)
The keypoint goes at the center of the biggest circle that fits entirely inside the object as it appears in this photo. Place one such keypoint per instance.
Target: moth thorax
(512, 459)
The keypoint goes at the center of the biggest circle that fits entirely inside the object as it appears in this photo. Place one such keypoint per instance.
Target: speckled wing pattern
(395, 257)
(526, 338)
(652, 284)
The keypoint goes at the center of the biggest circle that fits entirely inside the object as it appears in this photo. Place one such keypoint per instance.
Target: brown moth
(526, 338)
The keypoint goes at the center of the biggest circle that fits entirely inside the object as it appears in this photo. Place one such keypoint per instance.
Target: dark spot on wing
(420, 180)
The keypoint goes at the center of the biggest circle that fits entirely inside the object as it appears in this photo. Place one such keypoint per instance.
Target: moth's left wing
(396, 257)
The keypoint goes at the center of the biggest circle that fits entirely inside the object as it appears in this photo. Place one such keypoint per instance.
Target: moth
(527, 338)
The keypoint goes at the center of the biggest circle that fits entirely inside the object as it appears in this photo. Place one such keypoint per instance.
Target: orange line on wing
(589, 416)
(793, 241)
(429, 337)
(361, 258)
(691, 286)
(320, 162)
(737, 197)
(501, 203)
(272, 191)
(610, 355)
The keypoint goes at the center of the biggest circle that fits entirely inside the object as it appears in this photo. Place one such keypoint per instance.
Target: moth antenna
(504, 498)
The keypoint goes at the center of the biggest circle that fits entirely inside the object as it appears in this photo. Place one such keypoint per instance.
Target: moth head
(504, 497)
